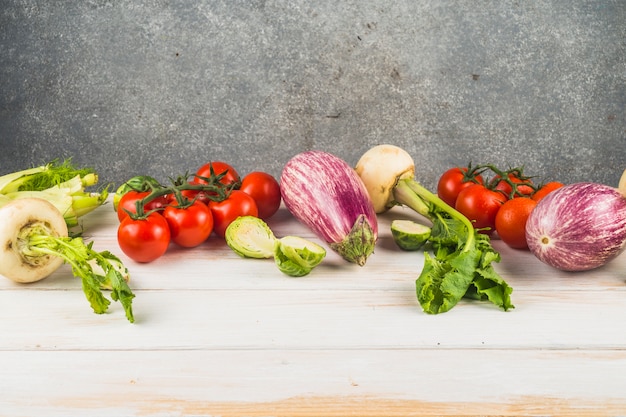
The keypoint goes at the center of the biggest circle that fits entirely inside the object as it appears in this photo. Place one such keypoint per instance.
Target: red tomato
(230, 174)
(265, 190)
(546, 189)
(128, 202)
(452, 182)
(225, 212)
(526, 189)
(511, 221)
(189, 226)
(480, 205)
(144, 240)
(202, 196)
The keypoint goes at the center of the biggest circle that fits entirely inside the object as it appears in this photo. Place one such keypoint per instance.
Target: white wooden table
(219, 335)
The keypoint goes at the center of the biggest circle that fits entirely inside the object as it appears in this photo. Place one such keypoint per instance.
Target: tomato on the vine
(144, 239)
(526, 187)
(480, 205)
(226, 211)
(546, 189)
(130, 198)
(265, 190)
(199, 195)
(453, 181)
(189, 226)
(511, 221)
(230, 175)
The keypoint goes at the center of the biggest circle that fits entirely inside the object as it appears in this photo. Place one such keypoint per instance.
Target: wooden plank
(390, 382)
(321, 319)
(220, 335)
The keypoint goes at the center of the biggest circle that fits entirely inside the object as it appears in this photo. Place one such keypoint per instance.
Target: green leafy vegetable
(462, 261)
(81, 257)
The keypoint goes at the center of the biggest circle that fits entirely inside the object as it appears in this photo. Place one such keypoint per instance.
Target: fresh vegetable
(510, 223)
(190, 223)
(546, 189)
(144, 239)
(479, 193)
(186, 211)
(20, 219)
(225, 173)
(251, 237)
(462, 261)
(518, 185)
(61, 184)
(34, 242)
(326, 194)
(380, 169)
(128, 203)
(578, 227)
(226, 211)
(480, 205)
(137, 183)
(265, 190)
(409, 235)
(296, 256)
(454, 180)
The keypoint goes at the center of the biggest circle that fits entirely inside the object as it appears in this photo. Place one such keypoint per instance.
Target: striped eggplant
(325, 193)
(578, 227)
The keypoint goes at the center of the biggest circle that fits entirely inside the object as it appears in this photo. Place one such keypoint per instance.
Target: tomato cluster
(190, 210)
(499, 202)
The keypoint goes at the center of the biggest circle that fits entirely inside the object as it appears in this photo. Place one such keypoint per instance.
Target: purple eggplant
(578, 227)
(326, 194)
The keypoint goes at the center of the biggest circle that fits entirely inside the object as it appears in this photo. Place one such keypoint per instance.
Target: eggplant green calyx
(463, 257)
(359, 244)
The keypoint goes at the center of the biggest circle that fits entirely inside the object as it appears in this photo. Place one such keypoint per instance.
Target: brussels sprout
(409, 235)
(250, 237)
(296, 256)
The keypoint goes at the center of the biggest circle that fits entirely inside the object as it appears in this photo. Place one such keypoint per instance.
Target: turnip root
(19, 219)
(380, 168)
(34, 243)
(462, 261)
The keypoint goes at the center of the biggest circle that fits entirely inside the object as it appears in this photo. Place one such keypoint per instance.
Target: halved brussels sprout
(250, 237)
(409, 235)
(296, 256)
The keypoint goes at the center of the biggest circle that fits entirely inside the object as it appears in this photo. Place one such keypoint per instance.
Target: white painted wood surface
(218, 335)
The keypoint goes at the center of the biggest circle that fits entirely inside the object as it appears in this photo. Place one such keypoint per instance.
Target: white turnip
(462, 261)
(34, 242)
(20, 220)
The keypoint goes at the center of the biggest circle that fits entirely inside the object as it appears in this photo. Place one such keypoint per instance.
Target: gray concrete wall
(159, 87)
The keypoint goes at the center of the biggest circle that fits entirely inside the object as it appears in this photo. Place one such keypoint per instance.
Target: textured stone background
(159, 87)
